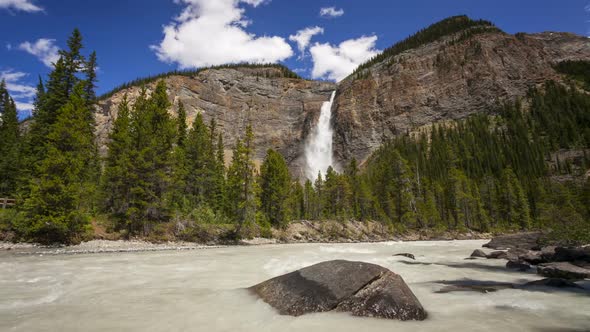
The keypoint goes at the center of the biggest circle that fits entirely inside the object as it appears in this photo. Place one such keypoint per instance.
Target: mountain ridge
(450, 77)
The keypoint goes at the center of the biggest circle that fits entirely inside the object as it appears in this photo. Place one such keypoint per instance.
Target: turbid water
(202, 290)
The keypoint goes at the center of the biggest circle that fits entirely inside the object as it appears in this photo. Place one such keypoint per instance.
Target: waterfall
(318, 149)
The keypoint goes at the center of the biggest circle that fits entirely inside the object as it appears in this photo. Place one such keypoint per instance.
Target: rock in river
(479, 253)
(405, 254)
(362, 289)
(528, 240)
(563, 270)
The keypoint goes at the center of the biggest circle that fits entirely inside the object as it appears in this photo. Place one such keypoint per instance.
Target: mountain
(456, 75)
(447, 71)
(280, 106)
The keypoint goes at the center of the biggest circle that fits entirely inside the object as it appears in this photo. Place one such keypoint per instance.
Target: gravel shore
(101, 246)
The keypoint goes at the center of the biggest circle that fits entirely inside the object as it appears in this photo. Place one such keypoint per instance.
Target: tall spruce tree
(55, 209)
(10, 144)
(152, 135)
(116, 182)
(275, 187)
(241, 185)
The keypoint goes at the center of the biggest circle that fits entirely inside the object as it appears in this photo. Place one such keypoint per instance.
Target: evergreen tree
(200, 161)
(241, 184)
(10, 144)
(275, 187)
(116, 182)
(55, 209)
(152, 135)
(90, 73)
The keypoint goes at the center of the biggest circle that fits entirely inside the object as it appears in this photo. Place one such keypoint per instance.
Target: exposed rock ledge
(362, 289)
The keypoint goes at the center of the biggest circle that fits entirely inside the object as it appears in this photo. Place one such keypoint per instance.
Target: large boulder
(528, 240)
(362, 289)
(564, 270)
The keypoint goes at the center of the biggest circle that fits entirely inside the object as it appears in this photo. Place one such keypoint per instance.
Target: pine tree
(10, 144)
(152, 135)
(90, 79)
(180, 169)
(200, 162)
(241, 184)
(55, 209)
(116, 183)
(182, 127)
(275, 187)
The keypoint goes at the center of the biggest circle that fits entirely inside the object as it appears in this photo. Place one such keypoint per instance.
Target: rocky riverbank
(296, 232)
(101, 246)
(526, 251)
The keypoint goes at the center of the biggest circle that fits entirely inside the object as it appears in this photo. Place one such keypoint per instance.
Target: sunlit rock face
(436, 82)
(282, 110)
(441, 81)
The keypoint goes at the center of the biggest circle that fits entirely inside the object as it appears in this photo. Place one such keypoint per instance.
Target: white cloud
(210, 33)
(24, 107)
(22, 93)
(23, 5)
(44, 49)
(331, 12)
(303, 37)
(337, 62)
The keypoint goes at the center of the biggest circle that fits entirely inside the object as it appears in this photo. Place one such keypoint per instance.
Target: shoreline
(98, 246)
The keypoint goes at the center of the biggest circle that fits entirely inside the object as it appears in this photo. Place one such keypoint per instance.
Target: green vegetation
(10, 156)
(500, 171)
(578, 70)
(283, 72)
(430, 34)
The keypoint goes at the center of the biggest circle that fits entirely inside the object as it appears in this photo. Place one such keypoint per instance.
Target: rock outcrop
(362, 289)
(443, 81)
(281, 110)
(528, 241)
(564, 270)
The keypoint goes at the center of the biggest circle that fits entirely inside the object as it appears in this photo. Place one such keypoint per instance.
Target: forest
(495, 172)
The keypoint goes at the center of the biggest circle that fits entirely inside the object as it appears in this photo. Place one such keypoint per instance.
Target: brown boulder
(528, 240)
(362, 289)
(563, 270)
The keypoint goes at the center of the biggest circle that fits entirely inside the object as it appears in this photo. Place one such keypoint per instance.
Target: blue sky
(136, 38)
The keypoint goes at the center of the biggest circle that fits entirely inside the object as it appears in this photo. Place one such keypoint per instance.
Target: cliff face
(441, 81)
(448, 79)
(280, 109)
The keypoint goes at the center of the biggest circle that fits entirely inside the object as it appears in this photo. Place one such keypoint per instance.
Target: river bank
(297, 232)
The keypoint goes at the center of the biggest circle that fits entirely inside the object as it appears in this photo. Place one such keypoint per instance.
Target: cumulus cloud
(337, 62)
(210, 33)
(44, 49)
(22, 5)
(20, 92)
(303, 37)
(331, 12)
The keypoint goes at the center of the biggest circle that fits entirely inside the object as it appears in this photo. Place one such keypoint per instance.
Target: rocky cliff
(446, 79)
(280, 109)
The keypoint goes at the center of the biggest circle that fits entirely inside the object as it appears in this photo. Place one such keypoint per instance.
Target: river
(202, 290)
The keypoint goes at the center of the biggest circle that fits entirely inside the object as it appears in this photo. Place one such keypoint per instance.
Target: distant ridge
(430, 34)
(284, 72)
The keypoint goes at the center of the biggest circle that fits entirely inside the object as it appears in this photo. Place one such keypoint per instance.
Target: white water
(202, 290)
(318, 151)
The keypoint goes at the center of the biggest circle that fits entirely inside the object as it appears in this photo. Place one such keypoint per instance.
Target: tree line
(489, 172)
